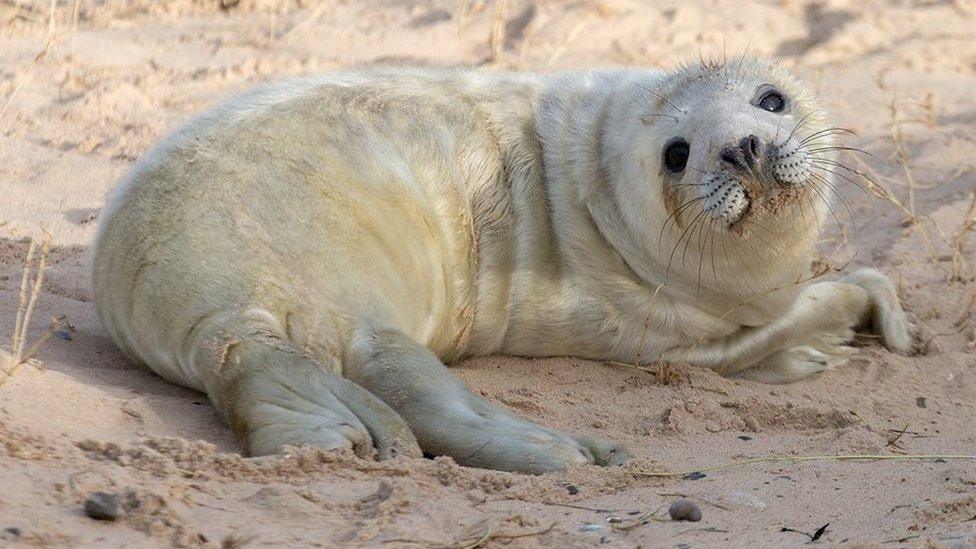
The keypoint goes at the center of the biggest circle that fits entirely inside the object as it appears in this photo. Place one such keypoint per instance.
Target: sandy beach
(88, 88)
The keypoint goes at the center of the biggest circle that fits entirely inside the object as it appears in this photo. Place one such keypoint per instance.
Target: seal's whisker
(701, 249)
(760, 231)
(667, 272)
(824, 180)
(836, 130)
(695, 224)
(756, 251)
(817, 164)
(828, 204)
(742, 58)
(679, 185)
(813, 209)
(823, 140)
(711, 253)
(850, 214)
(838, 193)
(835, 162)
(774, 234)
(797, 127)
(740, 252)
(803, 214)
(827, 148)
(845, 167)
(725, 63)
(701, 59)
(662, 98)
(728, 263)
(763, 230)
(779, 125)
(674, 216)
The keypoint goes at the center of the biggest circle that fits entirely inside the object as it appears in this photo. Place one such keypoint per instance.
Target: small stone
(102, 506)
(572, 489)
(684, 509)
(11, 533)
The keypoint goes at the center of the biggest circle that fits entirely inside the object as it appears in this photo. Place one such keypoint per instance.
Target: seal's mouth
(790, 164)
(728, 195)
(724, 197)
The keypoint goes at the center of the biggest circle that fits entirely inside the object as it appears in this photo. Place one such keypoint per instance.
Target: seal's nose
(750, 147)
(746, 155)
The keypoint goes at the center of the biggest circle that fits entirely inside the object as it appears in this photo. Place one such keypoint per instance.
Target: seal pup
(312, 253)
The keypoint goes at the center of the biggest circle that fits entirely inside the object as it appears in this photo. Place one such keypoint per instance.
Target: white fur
(371, 224)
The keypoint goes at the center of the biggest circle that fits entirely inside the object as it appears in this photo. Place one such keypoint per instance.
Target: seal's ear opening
(676, 154)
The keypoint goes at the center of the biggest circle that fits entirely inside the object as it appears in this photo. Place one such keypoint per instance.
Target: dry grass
(898, 139)
(52, 38)
(959, 266)
(497, 39)
(303, 27)
(800, 459)
(19, 354)
(27, 71)
(573, 34)
(478, 535)
(52, 18)
(75, 6)
(664, 374)
(488, 533)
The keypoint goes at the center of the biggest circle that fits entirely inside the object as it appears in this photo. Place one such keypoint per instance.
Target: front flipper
(884, 312)
(795, 364)
(449, 420)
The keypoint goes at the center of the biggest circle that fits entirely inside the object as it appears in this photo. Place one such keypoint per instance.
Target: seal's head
(733, 156)
(743, 141)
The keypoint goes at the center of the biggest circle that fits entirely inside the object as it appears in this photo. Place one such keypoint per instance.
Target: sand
(899, 73)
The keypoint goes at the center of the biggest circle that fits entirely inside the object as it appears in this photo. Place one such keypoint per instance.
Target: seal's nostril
(732, 157)
(750, 147)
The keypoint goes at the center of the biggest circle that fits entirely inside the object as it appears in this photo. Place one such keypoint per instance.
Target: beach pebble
(684, 509)
(102, 506)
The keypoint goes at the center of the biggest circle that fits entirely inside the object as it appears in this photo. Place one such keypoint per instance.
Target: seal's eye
(676, 155)
(772, 101)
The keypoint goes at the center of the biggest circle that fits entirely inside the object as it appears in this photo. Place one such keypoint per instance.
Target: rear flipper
(273, 395)
(448, 420)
